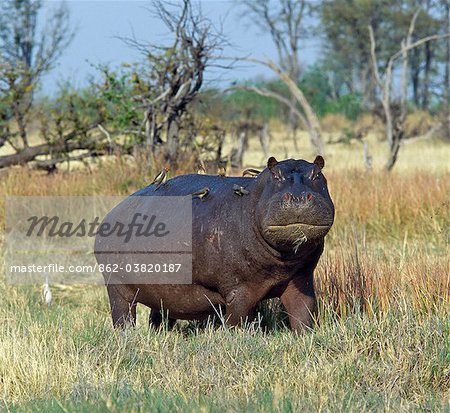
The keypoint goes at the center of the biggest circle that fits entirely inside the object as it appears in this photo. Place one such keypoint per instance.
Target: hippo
(271, 227)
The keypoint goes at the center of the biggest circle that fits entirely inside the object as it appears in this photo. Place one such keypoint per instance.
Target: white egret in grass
(47, 293)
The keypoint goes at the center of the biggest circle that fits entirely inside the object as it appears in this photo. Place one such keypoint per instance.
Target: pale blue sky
(98, 24)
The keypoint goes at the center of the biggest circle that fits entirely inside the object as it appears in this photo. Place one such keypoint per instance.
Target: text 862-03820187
(140, 268)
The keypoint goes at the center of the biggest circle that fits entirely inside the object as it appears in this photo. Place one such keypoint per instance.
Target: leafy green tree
(347, 41)
(319, 90)
(26, 54)
(344, 23)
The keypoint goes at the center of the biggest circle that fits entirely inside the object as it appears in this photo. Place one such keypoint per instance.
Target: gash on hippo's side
(271, 229)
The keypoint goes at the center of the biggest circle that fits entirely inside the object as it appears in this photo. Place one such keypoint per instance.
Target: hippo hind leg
(123, 312)
(156, 320)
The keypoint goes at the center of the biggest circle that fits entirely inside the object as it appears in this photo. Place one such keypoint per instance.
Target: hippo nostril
(287, 196)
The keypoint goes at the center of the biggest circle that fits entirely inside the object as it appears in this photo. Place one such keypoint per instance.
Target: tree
(143, 105)
(343, 24)
(395, 120)
(284, 22)
(345, 27)
(68, 126)
(446, 111)
(424, 60)
(172, 75)
(26, 54)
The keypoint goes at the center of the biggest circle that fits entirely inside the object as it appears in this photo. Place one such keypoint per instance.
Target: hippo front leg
(156, 320)
(299, 301)
(240, 304)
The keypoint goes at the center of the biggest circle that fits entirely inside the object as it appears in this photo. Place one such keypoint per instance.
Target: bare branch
(105, 132)
(419, 43)
(374, 57)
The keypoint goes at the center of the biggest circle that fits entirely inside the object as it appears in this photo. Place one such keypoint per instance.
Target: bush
(333, 122)
(418, 123)
(370, 123)
(349, 105)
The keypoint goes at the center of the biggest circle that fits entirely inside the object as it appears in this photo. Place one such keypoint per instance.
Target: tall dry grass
(390, 235)
(381, 343)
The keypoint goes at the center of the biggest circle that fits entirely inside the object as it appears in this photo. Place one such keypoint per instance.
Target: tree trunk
(264, 139)
(393, 154)
(241, 145)
(149, 140)
(426, 80)
(415, 76)
(173, 130)
(397, 130)
(293, 123)
(397, 133)
(311, 118)
(21, 123)
(220, 141)
(447, 75)
(30, 153)
(367, 158)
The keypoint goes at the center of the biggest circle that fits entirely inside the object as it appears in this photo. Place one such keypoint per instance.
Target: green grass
(382, 342)
(67, 358)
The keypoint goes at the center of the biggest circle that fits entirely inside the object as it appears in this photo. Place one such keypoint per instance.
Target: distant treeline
(239, 102)
(388, 58)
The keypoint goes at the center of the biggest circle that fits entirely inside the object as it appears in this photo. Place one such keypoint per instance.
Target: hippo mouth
(292, 236)
(297, 225)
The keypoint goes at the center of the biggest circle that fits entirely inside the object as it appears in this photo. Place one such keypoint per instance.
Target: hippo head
(295, 207)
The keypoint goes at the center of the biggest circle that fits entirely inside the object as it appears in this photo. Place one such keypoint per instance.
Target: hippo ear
(276, 173)
(271, 162)
(319, 161)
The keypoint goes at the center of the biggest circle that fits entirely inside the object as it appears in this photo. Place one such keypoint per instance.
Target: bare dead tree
(395, 122)
(283, 20)
(175, 72)
(107, 122)
(305, 114)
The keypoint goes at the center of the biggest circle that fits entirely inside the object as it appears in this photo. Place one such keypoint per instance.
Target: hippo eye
(277, 174)
(312, 175)
(315, 174)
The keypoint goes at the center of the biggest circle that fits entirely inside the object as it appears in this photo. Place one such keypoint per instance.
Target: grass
(429, 156)
(394, 361)
(381, 344)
